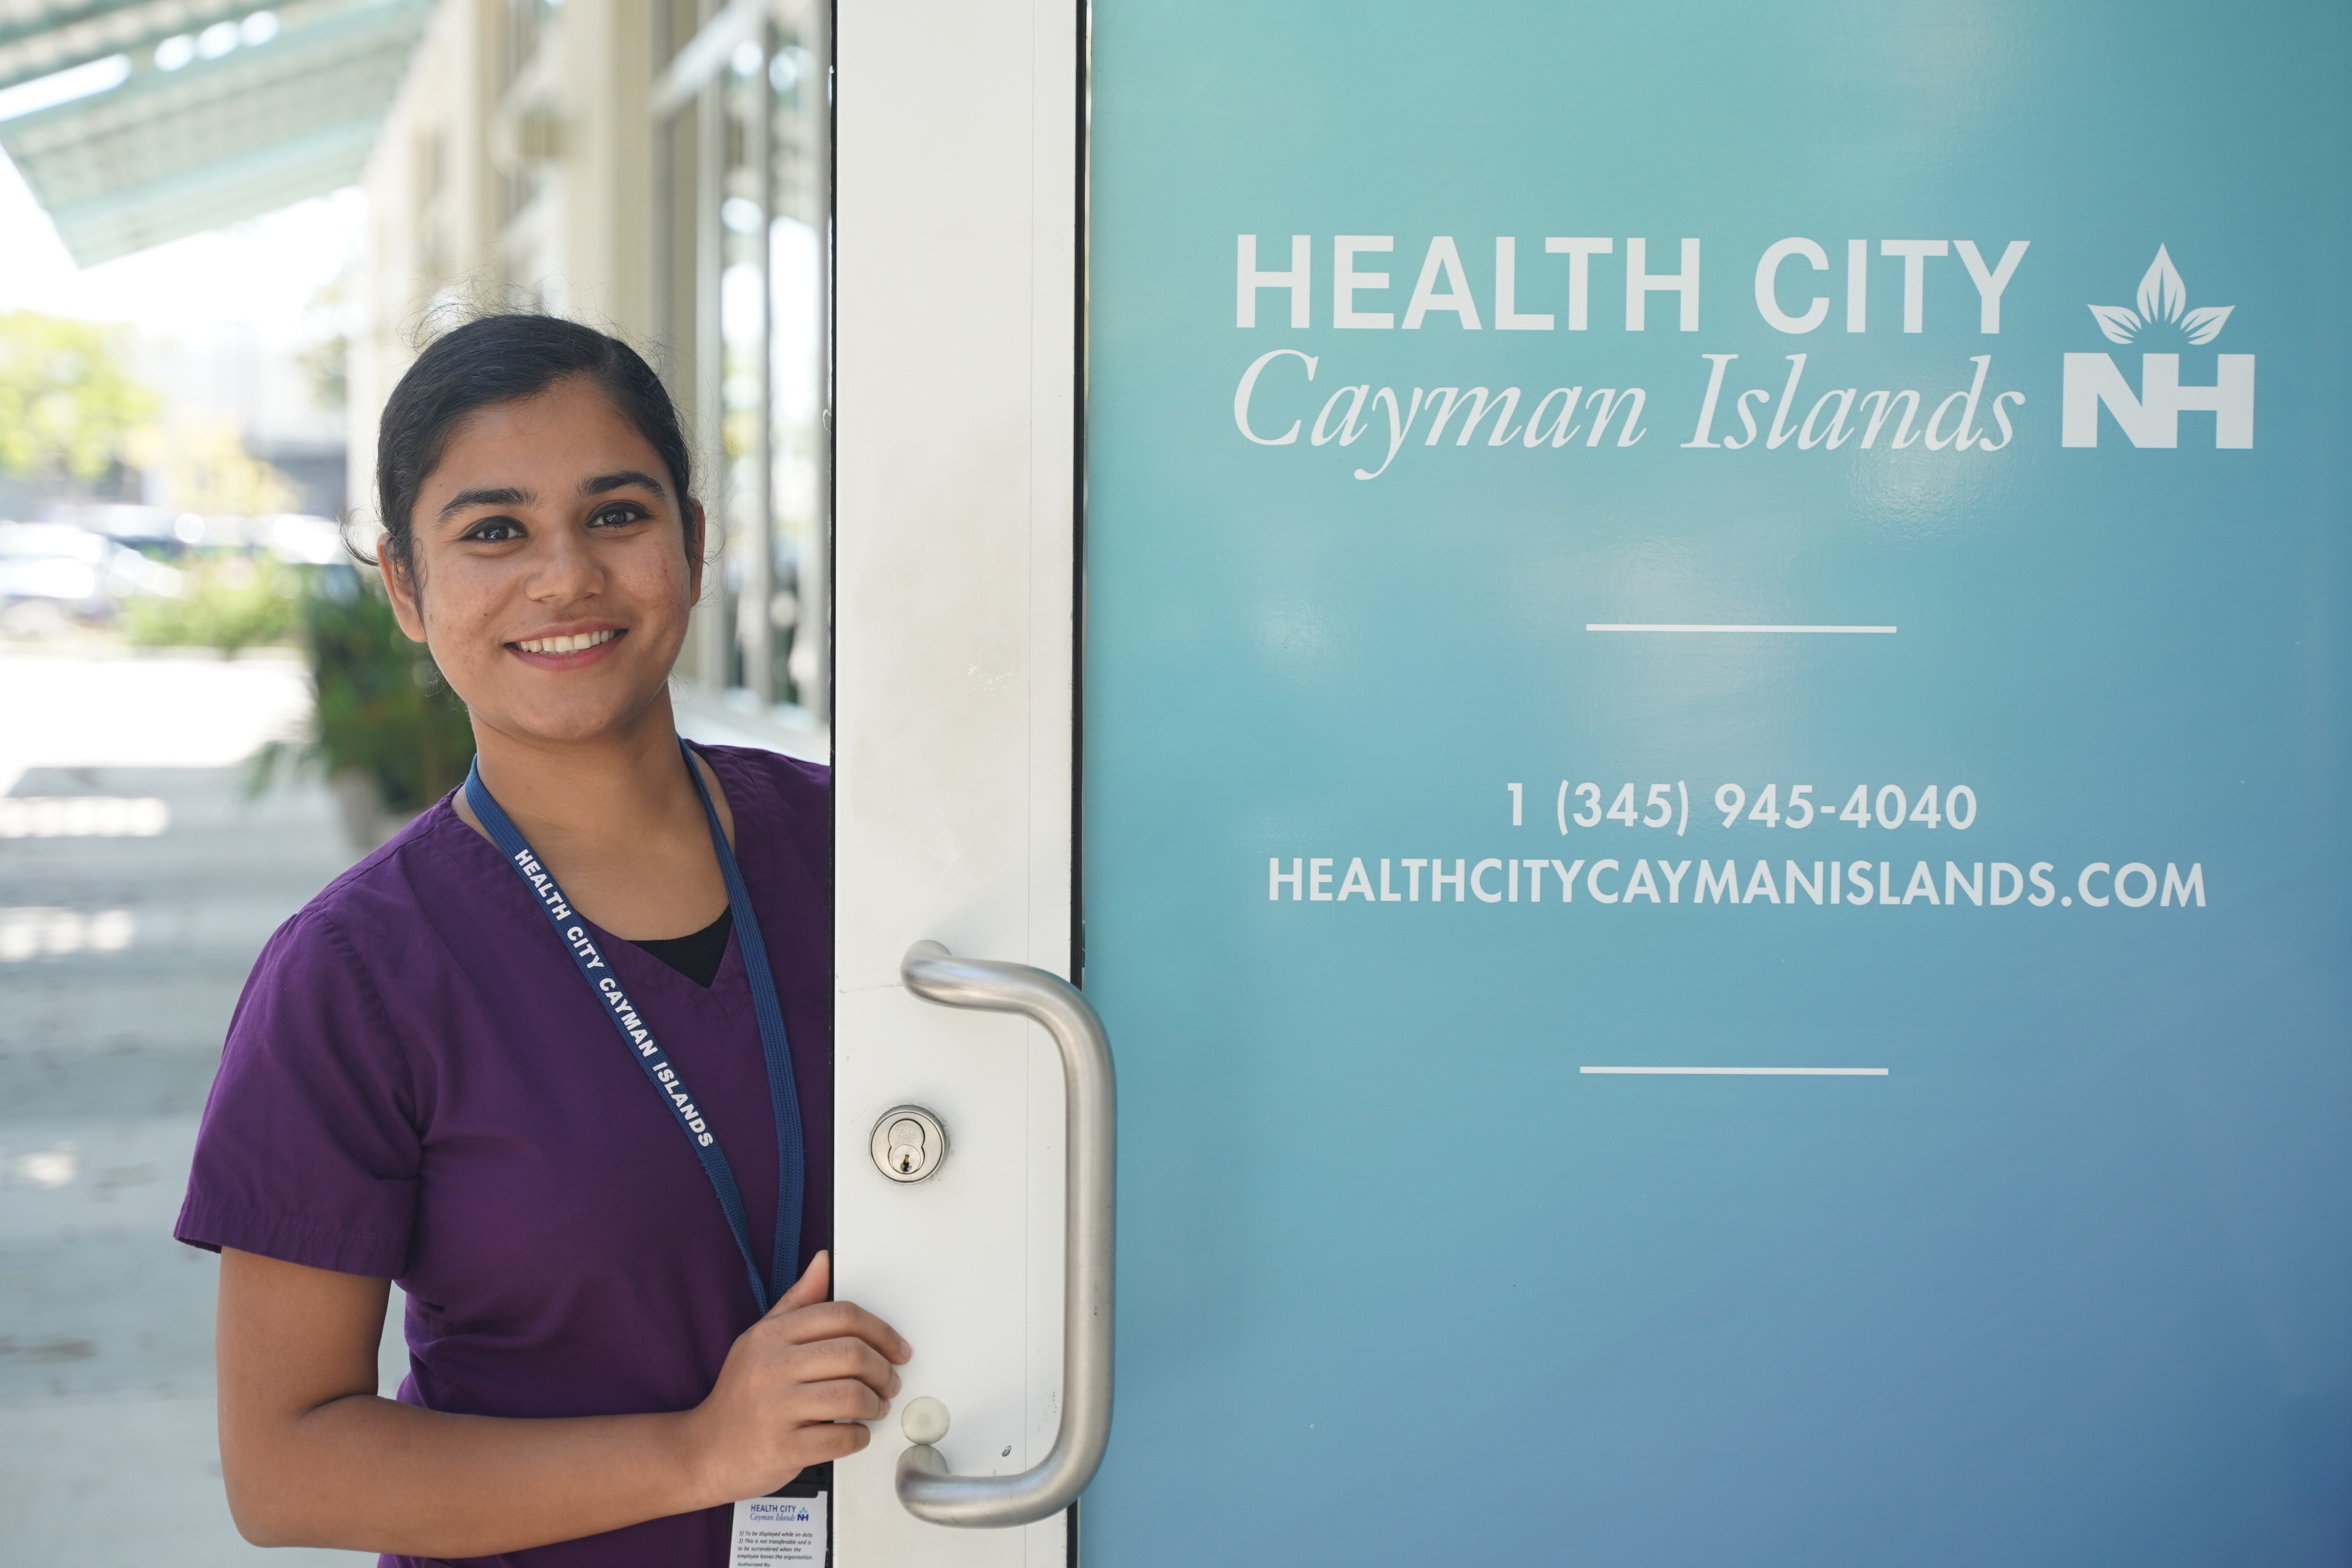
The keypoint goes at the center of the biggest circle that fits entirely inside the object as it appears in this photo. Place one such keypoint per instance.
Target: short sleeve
(309, 1148)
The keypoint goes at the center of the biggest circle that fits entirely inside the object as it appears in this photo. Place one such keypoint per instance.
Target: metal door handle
(1091, 1169)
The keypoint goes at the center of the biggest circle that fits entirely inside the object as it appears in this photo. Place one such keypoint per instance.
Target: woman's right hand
(796, 1386)
(314, 1457)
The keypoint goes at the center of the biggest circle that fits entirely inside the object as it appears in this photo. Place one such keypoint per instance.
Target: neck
(612, 784)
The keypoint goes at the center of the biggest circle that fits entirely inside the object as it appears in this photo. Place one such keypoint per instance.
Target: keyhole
(909, 1143)
(906, 1145)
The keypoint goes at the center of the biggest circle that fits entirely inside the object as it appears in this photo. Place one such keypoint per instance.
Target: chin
(579, 715)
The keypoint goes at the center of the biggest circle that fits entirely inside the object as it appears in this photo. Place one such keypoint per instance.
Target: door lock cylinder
(909, 1143)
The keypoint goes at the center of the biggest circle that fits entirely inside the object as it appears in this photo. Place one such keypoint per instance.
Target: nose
(565, 569)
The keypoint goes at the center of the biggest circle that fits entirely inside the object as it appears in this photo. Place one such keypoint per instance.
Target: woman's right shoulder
(315, 1125)
(383, 903)
(347, 988)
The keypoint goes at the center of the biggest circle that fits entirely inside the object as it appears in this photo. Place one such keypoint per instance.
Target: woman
(466, 1065)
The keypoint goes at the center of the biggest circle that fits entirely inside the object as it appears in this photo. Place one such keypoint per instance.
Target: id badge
(778, 1532)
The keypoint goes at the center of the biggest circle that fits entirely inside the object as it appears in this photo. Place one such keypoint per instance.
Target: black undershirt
(696, 957)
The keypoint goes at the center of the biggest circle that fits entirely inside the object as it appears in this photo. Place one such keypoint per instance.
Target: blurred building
(655, 167)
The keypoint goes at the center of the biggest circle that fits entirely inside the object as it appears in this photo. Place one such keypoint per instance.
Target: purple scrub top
(416, 1086)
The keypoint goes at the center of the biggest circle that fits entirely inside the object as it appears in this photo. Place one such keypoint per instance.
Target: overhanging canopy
(225, 111)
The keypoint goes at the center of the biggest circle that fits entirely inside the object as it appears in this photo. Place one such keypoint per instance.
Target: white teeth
(573, 644)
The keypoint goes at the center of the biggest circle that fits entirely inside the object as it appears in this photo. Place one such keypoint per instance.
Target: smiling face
(552, 573)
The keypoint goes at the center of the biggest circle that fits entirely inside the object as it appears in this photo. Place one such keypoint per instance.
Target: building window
(742, 269)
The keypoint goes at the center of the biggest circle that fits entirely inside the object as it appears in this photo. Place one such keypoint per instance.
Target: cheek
(457, 597)
(660, 579)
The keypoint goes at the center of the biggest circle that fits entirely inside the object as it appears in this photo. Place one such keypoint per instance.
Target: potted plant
(388, 734)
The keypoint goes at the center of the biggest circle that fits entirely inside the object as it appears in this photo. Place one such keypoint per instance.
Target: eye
(619, 514)
(494, 531)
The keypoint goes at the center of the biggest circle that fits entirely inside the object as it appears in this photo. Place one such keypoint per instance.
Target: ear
(401, 591)
(696, 531)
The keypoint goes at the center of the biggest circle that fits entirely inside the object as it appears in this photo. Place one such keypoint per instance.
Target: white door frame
(955, 412)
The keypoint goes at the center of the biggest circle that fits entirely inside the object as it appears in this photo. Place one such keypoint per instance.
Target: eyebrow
(503, 495)
(603, 483)
(508, 495)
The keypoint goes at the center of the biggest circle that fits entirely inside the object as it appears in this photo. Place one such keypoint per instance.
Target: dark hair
(504, 359)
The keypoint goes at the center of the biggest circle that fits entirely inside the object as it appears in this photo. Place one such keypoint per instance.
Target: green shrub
(382, 709)
(233, 604)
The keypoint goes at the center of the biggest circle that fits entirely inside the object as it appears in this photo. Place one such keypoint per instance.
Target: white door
(1868, 1098)
(958, 124)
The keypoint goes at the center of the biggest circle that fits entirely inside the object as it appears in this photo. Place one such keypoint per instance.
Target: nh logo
(2153, 418)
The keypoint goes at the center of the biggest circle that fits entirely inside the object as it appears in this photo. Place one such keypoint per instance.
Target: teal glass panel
(2069, 1281)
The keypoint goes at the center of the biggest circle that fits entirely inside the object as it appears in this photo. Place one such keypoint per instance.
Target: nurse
(557, 1057)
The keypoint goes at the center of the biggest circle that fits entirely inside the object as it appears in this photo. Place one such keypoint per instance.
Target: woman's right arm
(313, 1456)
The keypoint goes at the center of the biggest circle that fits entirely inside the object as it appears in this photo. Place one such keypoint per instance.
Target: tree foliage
(207, 469)
(68, 402)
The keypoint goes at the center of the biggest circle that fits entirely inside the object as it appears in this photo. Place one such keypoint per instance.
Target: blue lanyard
(659, 1070)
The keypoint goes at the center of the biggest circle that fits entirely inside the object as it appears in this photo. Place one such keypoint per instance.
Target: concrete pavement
(120, 957)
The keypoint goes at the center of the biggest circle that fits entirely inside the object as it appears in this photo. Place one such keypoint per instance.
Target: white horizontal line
(1662, 626)
(1753, 1072)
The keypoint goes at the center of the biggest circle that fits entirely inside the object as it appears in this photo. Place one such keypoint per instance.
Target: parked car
(54, 572)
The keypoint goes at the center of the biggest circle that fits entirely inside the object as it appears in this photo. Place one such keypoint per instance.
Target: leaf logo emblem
(2163, 297)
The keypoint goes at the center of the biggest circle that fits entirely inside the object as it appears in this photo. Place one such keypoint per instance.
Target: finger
(837, 1320)
(834, 1439)
(841, 1319)
(813, 1285)
(844, 1358)
(840, 1399)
